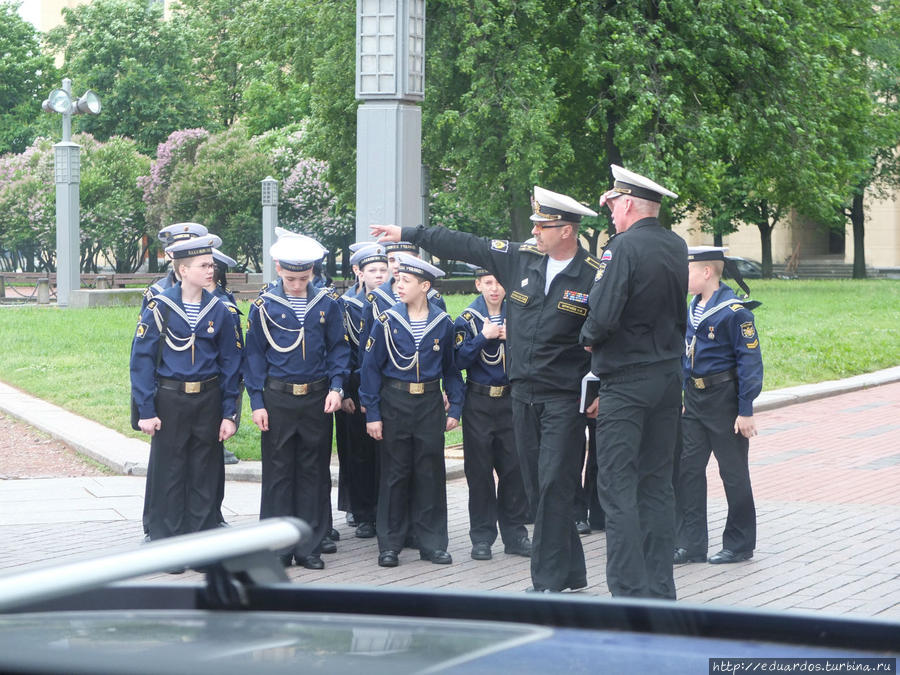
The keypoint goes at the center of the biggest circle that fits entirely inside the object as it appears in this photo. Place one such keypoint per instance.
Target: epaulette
(530, 248)
(151, 304)
(467, 315)
(370, 296)
(736, 307)
(383, 317)
(592, 261)
(233, 309)
(436, 294)
(259, 302)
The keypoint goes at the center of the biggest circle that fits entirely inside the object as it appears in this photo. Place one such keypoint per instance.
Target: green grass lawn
(810, 331)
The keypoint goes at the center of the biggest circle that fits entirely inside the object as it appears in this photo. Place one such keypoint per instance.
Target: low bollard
(2, 287)
(43, 291)
(102, 282)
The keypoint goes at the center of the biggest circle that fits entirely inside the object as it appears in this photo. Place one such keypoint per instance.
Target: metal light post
(390, 80)
(269, 221)
(67, 172)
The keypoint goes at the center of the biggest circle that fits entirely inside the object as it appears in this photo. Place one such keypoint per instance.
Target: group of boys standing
(386, 357)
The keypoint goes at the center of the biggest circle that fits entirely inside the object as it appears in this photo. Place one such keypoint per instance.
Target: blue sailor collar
(171, 297)
(723, 298)
(313, 295)
(400, 312)
(479, 308)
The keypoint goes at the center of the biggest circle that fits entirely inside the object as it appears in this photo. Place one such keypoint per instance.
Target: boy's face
(198, 270)
(410, 288)
(374, 274)
(490, 289)
(698, 276)
(294, 282)
(394, 263)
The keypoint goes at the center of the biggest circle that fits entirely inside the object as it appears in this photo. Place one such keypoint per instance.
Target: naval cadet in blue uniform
(185, 364)
(361, 459)
(635, 331)
(168, 236)
(547, 284)
(723, 374)
(296, 365)
(489, 444)
(407, 356)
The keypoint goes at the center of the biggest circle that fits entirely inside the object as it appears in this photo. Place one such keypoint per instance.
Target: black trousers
(296, 460)
(708, 426)
(185, 465)
(489, 445)
(636, 429)
(342, 439)
(550, 442)
(363, 463)
(412, 493)
(587, 502)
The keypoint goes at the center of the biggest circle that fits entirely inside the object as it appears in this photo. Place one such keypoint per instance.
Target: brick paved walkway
(825, 475)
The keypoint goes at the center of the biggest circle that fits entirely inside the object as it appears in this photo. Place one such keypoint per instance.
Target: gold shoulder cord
(265, 318)
(491, 359)
(188, 342)
(391, 348)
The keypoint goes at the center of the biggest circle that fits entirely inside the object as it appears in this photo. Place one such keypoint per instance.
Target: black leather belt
(297, 389)
(188, 387)
(413, 387)
(494, 391)
(715, 378)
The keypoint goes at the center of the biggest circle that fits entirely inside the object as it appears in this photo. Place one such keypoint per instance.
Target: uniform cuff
(745, 408)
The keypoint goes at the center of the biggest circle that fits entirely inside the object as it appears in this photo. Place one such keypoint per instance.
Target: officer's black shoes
(311, 562)
(388, 559)
(481, 551)
(576, 585)
(351, 519)
(532, 589)
(682, 557)
(521, 547)
(285, 559)
(328, 546)
(146, 539)
(365, 530)
(437, 557)
(582, 527)
(411, 541)
(334, 535)
(726, 556)
(230, 457)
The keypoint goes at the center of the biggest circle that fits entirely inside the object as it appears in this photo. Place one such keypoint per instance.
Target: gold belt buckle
(300, 389)
(699, 383)
(496, 392)
(192, 387)
(416, 387)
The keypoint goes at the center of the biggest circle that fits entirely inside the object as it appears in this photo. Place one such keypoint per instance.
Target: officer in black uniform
(547, 285)
(635, 330)
(488, 440)
(185, 364)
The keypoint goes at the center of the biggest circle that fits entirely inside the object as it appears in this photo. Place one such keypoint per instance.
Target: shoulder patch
(460, 338)
(259, 302)
(592, 261)
(141, 330)
(467, 315)
(748, 330)
(521, 298)
(601, 268)
(232, 309)
(436, 294)
(151, 304)
(369, 343)
(370, 297)
(501, 245)
(530, 248)
(607, 255)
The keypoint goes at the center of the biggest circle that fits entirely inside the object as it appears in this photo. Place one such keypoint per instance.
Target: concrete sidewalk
(825, 474)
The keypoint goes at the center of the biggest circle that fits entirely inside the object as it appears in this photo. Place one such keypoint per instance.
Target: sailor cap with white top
(297, 252)
(548, 206)
(220, 257)
(194, 246)
(634, 185)
(700, 253)
(360, 244)
(394, 246)
(181, 232)
(369, 254)
(413, 265)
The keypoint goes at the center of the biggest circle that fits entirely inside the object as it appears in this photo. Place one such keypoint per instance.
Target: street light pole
(269, 221)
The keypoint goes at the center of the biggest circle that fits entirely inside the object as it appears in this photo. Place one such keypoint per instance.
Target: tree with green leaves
(140, 64)
(26, 77)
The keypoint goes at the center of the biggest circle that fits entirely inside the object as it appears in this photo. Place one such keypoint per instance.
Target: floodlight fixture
(58, 101)
(89, 103)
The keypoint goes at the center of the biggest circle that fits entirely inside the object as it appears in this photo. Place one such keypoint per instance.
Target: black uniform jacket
(545, 359)
(638, 302)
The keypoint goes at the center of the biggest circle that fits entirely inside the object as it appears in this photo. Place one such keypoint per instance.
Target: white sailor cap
(369, 254)
(188, 248)
(220, 257)
(413, 265)
(548, 206)
(700, 253)
(360, 244)
(180, 232)
(297, 252)
(394, 246)
(635, 185)
(281, 232)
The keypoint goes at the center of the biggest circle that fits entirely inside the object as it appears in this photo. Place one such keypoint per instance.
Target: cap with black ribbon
(394, 246)
(370, 253)
(297, 252)
(194, 246)
(704, 253)
(548, 206)
(418, 267)
(634, 185)
(181, 232)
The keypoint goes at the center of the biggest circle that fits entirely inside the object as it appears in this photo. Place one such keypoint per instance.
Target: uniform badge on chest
(321, 316)
(712, 334)
(210, 329)
(437, 344)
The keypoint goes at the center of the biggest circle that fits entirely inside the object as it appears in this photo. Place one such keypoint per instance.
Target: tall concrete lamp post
(390, 80)
(67, 171)
(269, 221)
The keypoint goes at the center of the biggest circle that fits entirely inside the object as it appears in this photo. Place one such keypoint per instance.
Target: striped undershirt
(418, 329)
(192, 309)
(299, 307)
(699, 308)
(496, 318)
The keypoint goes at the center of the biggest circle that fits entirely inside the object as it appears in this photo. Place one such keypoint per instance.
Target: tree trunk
(765, 237)
(520, 225)
(152, 260)
(858, 219)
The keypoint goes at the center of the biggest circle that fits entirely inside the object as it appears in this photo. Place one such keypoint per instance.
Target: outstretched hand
(383, 233)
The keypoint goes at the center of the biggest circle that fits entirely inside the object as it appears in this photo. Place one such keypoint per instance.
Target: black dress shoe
(437, 557)
(388, 559)
(365, 530)
(532, 589)
(230, 457)
(726, 556)
(521, 547)
(582, 527)
(285, 559)
(681, 557)
(311, 562)
(481, 551)
(334, 535)
(351, 519)
(328, 546)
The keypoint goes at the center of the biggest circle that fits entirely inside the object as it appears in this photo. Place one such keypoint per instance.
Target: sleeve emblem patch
(459, 339)
(600, 272)
(753, 345)
(141, 330)
(500, 245)
(747, 330)
(607, 255)
(369, 343)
